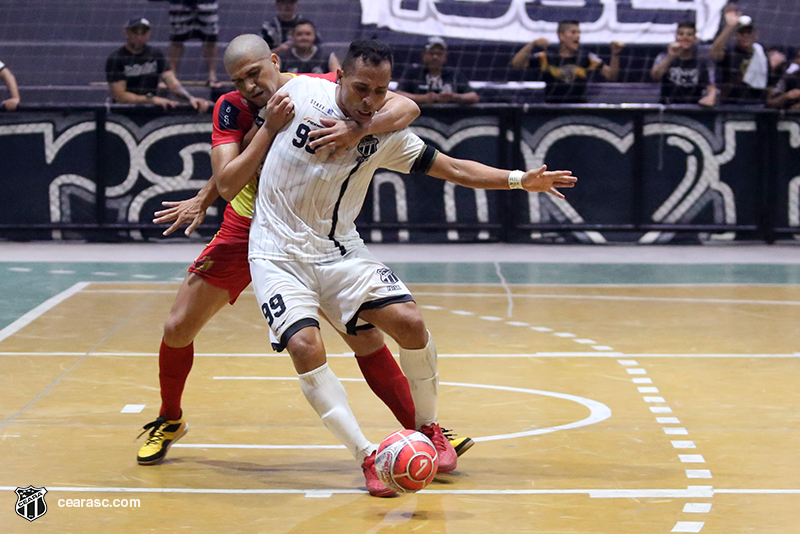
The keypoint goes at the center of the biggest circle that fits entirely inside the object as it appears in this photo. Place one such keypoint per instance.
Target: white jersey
(307, 203)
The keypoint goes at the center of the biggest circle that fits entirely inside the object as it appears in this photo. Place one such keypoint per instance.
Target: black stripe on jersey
(292, 330)
(425, 160)
(374, 305)
(335, 218)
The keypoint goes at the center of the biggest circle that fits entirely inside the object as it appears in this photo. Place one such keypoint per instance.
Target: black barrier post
(767, 124)
(509, 123)
(638, 169)
(101, 165)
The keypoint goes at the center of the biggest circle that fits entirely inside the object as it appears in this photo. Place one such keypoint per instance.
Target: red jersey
(233, 117)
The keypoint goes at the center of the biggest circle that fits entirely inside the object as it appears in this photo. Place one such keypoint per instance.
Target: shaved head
(249, 46)
(254, 70)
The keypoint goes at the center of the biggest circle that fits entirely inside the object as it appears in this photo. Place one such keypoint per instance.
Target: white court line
(134, 291)
(600, 355)
(39, 310)
(701, 492)
(608, 297)
(597, 410)
(759, 491)
(343, 355)
(504, 284)
(495, 284)
(688, 526)
(721, 355)
(517, 295)
(246, 446)
(668, 420)
(697, 508)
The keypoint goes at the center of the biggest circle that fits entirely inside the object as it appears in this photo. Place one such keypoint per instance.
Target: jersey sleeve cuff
(425, 160)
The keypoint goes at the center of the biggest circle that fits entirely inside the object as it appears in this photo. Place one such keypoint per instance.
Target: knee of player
(411, 332)
(305, 345)
(177, 332)
(365, 341)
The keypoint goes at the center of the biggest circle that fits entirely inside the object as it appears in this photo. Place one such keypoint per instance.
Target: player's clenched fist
(543, 181)
(280, 112)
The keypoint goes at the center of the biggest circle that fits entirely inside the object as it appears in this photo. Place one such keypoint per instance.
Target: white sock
(329, 399)
(420, 367)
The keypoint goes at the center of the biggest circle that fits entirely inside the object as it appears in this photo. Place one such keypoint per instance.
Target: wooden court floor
(628, 406)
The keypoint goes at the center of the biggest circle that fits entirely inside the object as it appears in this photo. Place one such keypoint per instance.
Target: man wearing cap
(133, 72)
(744, 66)
(432, 82)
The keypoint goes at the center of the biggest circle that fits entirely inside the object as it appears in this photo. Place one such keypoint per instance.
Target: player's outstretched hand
(280, 111)
(336, 134)
(188, 211)
(543, 181)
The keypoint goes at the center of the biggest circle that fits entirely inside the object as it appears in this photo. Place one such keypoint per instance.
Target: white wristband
(515, 179)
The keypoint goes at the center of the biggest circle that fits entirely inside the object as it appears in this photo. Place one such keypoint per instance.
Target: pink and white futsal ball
(406, 461)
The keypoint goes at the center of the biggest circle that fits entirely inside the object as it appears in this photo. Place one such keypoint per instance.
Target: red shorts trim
(223, 263)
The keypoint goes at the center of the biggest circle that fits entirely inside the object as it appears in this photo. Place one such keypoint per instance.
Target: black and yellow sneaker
(162, 436)
(461, 445)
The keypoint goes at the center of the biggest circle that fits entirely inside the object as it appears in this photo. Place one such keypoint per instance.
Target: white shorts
(290, 293)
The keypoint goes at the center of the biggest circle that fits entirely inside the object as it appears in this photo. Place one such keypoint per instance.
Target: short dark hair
(305, 21)
(370, 51)
(562, 24)
(687, 24)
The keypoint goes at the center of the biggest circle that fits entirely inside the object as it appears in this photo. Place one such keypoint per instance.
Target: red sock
(173, 366)
(389, 383)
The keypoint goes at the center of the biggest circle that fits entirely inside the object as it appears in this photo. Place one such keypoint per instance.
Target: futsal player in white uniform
(306, 254)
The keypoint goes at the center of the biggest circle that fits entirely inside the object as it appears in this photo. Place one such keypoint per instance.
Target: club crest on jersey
(387, 276)
(368, 146)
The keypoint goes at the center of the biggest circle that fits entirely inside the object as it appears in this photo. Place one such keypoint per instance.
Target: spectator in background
(744, 67)
(684, 76)
(729, 7)
(777, 66)
(566, 73)
(432, 82)
(11, 82)
(786, 94)
(134, 70)
(190, 19)
(277, 31)
(304, 56)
